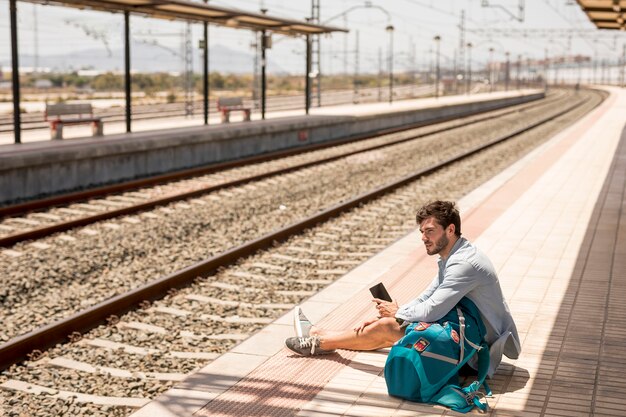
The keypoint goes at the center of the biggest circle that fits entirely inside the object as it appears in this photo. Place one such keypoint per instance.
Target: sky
(488, 23)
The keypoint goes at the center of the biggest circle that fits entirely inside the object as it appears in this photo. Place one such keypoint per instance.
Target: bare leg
(382, 333)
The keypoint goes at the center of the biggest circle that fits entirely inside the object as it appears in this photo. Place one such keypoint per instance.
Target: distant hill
(146, 58)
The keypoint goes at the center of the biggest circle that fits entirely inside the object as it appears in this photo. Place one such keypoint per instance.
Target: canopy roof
(605, 14)
(200, 12)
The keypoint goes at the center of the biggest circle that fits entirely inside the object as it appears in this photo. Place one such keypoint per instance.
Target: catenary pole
(205, 72)
(15, 75)
(127, 78)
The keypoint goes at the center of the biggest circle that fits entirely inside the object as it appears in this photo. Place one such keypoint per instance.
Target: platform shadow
(578, 344)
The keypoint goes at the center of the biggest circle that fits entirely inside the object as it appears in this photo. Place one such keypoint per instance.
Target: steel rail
(20, 347)
(25, 207)
(40, 232)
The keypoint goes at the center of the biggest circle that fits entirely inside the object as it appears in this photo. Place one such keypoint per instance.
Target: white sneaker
(301, 324)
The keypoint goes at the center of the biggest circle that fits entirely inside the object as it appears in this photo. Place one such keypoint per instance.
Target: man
(464, 271)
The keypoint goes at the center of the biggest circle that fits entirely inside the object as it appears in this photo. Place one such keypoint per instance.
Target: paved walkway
(553, 226)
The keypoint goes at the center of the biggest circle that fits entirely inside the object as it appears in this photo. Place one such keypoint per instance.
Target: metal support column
(263, 79)
(518, 78)
(462, 45)
(390, 30)
(205, 74)
(437, 69)
(127, 79)
(307, 84)
(469, 68)
(623, 80)
(17, 124)
(507, 73)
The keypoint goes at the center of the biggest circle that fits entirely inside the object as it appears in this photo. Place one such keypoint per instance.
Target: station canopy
(605, 14)
(200, 12)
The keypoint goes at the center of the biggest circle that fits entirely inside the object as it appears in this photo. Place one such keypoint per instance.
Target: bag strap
(462, 332)
(464, 399)
(483, 367)
(471, 391)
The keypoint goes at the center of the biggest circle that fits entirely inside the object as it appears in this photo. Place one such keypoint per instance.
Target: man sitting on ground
(464, 271)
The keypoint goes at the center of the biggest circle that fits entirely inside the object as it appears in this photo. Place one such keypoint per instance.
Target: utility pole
(546, 68)
(355, 86)
(595, 60)
(454, 71)
(36, 40)
(380, 74)
(413, 65)
(390, 29)
(556, 70)
(307, 71)
(507, 74)
(345, 48)
(437, 74)
(316, 66)
(580, 75)
(462, 45)
(188, 72)
(264, 44)
(127, 76)
(623, 80)
(469, 67)
(15, 73)
(491, 78)
(205, 71)
(519, 72)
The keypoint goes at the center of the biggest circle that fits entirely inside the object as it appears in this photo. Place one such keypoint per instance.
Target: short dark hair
(444, 212)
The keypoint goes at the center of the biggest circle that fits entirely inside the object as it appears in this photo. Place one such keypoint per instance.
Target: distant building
(89, 72)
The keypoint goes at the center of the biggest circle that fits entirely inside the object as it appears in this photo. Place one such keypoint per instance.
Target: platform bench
(227, 104)
(63, 114)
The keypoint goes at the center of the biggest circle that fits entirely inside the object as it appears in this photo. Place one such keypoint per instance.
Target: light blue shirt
(467, 272)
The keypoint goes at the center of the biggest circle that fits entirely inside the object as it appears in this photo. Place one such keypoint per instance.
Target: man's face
(434, 236)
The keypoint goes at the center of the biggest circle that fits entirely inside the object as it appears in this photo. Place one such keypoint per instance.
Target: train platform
(38, 168)
(143, 125)
(554, 226)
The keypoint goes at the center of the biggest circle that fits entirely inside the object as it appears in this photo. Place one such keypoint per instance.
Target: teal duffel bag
(424, 365)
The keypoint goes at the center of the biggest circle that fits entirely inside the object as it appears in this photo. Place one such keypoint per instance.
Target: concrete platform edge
(31, 170)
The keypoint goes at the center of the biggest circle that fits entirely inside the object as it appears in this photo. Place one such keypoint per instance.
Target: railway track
(220, 207)
(19, 225)
(118, 366)
(37, 204)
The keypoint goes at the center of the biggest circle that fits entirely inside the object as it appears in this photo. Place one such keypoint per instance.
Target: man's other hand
(363, 325)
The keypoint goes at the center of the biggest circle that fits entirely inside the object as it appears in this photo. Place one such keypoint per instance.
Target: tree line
(151, 83)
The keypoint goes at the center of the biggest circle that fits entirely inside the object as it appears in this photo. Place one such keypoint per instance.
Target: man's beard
(438, 245)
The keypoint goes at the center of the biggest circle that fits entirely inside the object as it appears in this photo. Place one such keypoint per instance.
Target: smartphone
(379, 291)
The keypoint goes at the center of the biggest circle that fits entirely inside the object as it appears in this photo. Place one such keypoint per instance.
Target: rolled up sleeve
(459, 279)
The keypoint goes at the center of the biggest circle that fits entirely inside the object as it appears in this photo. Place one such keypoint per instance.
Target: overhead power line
(539, 33)
(520, 9)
